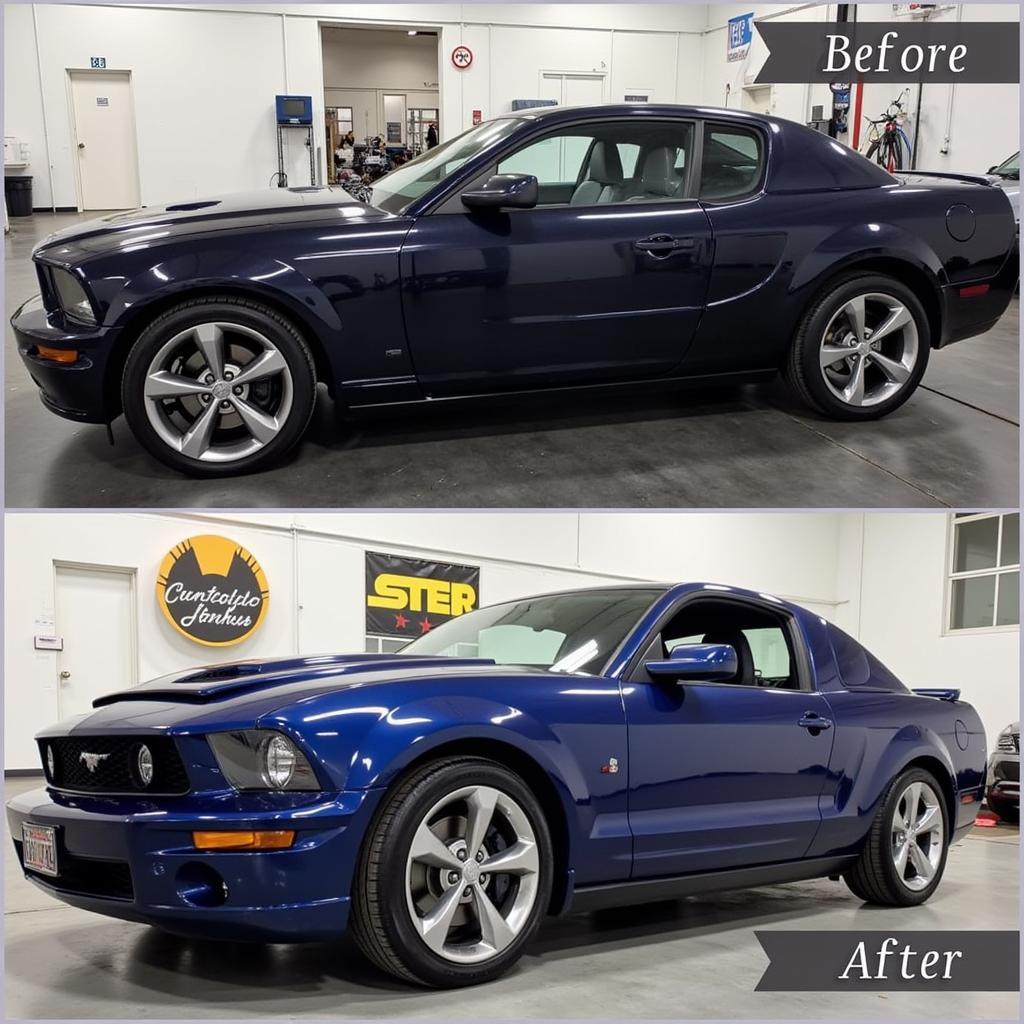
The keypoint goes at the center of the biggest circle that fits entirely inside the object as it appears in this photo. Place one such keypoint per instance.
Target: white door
(394, 119)
(104, 139)
(95, 616)
(572, 90)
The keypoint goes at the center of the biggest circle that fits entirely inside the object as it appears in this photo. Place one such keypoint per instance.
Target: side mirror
(703, 662)
(515, 190)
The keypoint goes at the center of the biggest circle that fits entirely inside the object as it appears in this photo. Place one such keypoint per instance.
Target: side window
(760, 638)
(608, 162)
(770, 652)
(731, 162)
(552, 161)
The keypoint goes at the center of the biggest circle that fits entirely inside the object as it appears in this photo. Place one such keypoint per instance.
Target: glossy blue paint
(439, 300)
(710, 776)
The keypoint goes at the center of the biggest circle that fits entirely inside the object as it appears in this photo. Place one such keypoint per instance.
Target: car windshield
(573, 632)
(1009, 168)
(399, 188)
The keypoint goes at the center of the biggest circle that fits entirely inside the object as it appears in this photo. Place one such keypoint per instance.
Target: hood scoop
(221, 682)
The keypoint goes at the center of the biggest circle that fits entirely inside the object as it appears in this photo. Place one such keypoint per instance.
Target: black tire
(802, 370)
(1004, 810)
(248, 314)
(874, 878)
(380, 919)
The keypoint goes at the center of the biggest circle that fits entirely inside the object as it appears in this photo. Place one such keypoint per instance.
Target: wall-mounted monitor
(294, 109)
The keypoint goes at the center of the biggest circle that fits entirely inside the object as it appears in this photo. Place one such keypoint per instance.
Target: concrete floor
(955, 443)
(695, 958)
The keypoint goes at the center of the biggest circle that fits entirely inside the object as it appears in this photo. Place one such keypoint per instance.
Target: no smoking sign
(462, 57)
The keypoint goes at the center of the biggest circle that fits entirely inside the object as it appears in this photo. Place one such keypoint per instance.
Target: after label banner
(407, 597)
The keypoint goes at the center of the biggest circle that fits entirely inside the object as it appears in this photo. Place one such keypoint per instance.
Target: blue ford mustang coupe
(565, 752)
(555, 249)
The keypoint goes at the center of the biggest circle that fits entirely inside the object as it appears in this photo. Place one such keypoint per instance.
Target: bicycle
(886, 146)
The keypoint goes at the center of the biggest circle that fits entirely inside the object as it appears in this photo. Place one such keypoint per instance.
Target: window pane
(975, 544)
(731, 162)
(1009, 599)
(1010, 552)
(770, 652)
(973, 603)
(550, 161)
(628, 152)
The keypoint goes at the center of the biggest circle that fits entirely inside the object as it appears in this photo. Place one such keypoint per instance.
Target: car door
(604, 279)
(726, 775)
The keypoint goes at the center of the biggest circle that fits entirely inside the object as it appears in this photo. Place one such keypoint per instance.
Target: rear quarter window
(858, 666)
(731, 162)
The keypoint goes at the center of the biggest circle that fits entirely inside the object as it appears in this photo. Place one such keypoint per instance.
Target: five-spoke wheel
(861, 348)
(904, 855)
(455, 874)
(218, 386)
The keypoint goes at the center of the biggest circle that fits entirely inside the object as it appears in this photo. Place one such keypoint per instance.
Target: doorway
(103, 137)
(96, 618)
(572, 90)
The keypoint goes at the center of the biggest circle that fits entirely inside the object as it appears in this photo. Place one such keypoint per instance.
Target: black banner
(980, 51)
(407, 597)
(934, 961)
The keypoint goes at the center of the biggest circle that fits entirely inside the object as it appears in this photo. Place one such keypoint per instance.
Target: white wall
(205, 77)
(880, 576)
(893, 577)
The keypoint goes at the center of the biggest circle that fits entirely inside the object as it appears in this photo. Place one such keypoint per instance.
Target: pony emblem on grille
(92, 760)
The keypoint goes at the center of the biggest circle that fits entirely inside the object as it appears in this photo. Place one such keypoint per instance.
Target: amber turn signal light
(279, 839)
(57, 355)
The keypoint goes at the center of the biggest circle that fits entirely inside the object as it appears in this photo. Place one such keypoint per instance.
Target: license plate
(39, 848)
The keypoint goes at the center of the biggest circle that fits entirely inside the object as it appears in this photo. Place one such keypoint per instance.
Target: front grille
(1006, 771)
(111, 879)
(114, 764)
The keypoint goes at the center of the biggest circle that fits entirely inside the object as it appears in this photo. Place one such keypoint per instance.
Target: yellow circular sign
(212, 591)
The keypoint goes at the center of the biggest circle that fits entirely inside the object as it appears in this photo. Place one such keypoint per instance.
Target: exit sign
(97, 62)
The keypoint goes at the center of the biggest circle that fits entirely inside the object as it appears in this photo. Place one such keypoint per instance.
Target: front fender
(369, 747)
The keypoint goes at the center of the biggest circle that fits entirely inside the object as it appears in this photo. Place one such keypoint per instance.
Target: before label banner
(407, 597)
(888, 51)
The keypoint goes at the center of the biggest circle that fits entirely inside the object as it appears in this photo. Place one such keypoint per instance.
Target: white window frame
(948, 629)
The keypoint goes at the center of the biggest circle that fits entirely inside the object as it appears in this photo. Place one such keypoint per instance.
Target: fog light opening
(199, 885)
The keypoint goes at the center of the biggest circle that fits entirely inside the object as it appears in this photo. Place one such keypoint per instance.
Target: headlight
(71, 296)
(1005, 742)
(262, 759)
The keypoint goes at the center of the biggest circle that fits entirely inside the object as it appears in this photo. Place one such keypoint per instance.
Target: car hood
(261, 208)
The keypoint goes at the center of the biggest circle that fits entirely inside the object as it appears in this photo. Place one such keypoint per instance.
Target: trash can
(18, 193)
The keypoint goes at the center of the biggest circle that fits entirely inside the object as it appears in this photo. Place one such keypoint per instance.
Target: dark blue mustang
(571, 751)
(563, 248)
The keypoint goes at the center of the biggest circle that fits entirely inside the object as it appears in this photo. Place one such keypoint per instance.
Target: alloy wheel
(918, 835)
(472, 874)
(218, 392)
(869, 349)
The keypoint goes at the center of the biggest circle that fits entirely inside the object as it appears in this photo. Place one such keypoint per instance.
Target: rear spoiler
(974, 179)
(950, 695)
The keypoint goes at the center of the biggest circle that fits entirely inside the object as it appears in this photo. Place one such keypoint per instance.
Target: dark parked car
(565, 752)
(1003, 792)
(559, 248)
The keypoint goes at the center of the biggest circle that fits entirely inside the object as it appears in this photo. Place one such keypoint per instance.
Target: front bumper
(75, 390)
(1003, 783)
(133, 859)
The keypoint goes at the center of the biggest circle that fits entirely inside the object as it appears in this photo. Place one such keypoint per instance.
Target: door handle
(81, 145)
(814, 723)
(65, 675)
(661, 246)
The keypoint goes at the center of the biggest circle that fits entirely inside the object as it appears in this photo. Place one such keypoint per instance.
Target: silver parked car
(1002, 793)
(1007, 177)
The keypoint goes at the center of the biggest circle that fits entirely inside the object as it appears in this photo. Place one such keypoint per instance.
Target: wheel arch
(135, 320)
(911, 273)
(935, 766)
(537, 777)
